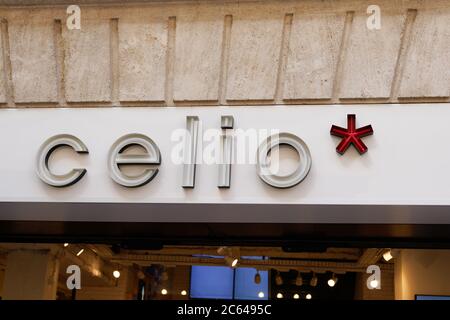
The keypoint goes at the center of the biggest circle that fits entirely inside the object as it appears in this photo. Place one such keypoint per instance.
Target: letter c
(44, 154)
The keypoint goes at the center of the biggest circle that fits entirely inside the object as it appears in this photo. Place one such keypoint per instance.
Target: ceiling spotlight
(116, 274)
(80, 252)
(96, 272)
(296, 296)
(257, 278)
(313, 281)
(231, 255)
(279, 295)
(332, 281)
(223, 251)
(374, 283)
(183, 293)
(309, 296)
(261, 294)
(278, 279)
(163, 292)
(66, 245)
(299, 280)
(387, 255)
(232, 262)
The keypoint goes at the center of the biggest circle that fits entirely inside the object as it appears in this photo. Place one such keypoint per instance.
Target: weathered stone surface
(33, 60)
(132, 63)
(313, 54)
(87, 62)
(198, 54)
(254, 54)
(371, 57)
(427, 67)
(142, 58)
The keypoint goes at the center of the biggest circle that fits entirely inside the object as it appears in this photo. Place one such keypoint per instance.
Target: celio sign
(152, 156)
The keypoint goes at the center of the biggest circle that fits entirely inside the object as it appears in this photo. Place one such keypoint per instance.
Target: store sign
(152, 156)
(175, 164)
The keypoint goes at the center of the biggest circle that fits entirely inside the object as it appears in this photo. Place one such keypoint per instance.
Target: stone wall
(225, 53)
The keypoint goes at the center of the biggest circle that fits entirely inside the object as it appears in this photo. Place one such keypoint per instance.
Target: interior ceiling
(271, 252)
(338, 260)
(98, 261)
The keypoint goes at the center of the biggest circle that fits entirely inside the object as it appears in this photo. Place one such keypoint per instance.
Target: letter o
(292, 179)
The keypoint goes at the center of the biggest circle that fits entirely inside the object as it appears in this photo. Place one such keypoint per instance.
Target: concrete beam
(279, 264)
(329, 254)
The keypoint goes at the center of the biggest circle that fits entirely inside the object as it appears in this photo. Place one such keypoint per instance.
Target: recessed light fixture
(66, 245)
(279, 295)
(163, 292)
(309, 296)
(261, 294)
(183, 292)
(296, 296)
(80, 252)
(116, 274)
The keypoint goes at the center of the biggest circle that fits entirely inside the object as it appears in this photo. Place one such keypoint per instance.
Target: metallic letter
(263, 165)
(190, 151)
(116, 158)
(226, 142)
(44, 154)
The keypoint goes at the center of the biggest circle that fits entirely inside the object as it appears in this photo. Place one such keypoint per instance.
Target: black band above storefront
(217, 230)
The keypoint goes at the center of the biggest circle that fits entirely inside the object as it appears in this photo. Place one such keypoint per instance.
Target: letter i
(226, 151)
(190, 151)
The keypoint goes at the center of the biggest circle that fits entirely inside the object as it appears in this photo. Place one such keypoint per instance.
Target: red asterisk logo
(351, 135)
